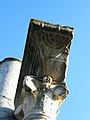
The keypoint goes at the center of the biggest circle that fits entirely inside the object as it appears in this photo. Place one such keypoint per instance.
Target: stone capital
(41, 103)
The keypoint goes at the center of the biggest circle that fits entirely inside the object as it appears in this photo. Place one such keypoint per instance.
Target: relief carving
(41, 88)
(40, 99)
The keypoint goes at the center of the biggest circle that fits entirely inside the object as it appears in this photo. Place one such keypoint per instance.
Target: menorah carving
(41, 88)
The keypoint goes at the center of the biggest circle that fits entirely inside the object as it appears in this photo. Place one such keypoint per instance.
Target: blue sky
(14, 22)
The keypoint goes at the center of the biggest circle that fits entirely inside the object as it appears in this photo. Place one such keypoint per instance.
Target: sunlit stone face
(41, 105)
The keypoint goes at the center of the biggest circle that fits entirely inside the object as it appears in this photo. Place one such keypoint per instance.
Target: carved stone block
(41, 88)
(46, 52)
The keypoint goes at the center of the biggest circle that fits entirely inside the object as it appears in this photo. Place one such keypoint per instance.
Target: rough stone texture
(9, 74)
(40, 103)
(46, 52)
(40, 94)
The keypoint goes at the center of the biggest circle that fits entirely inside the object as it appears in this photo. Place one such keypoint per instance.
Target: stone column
(9, 74)
(41, 87)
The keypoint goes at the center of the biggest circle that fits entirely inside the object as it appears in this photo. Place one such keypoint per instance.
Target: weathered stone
(41, 88)
(9, 74)
(46, 52)
(40, 103)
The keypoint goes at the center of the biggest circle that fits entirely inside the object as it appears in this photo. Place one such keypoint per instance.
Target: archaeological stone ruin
(35, 87)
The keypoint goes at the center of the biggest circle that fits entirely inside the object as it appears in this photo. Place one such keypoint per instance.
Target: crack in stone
(5, 97)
